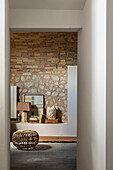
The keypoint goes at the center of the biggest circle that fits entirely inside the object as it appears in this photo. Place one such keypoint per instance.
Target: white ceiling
(47, 4)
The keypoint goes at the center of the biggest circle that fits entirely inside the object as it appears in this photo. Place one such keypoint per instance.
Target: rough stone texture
(48, 93)
(61, 108)
(25, 74)
(56, 83)
(28, 84)
(54, 92)
(39, 65)
(55, 78)
(20, 90)
(61, 86)
(49, 50)
(41, 87)
(35, 77)
(24, 90)
(62, 78)
(20, 85)
(62, 82)
(47, 77)
(66, 86)
(33, 91)
(58, 89)
(62, 94)
(36, 84)
(64, 98)
(28, 77)
(22, 78)
(17, 79)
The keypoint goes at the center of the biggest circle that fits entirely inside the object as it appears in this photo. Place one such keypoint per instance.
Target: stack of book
(33, 120)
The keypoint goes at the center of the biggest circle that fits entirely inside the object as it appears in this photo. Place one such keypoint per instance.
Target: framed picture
(37, 102)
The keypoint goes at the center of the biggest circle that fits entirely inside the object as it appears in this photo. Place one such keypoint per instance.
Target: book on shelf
(33, 118)
(31, 121)
(42, 118)
(37, 119)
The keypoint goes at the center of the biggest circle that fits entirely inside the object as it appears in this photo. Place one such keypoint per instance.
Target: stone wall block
(22, 78)
(35, 77)
(47, 76)
(55, 94)
(28, 84)
(55, 78)
(62, 94)
(61, 86)
(24, 90)
(48, 93)
(17, 79)
(20, 85)
(26, 74)
(28, 77)
(33, 91)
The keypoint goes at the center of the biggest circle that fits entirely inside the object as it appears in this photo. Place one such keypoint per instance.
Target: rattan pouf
(25, 139)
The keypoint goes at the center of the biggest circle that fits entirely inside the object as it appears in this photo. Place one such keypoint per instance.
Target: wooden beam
(57, 139)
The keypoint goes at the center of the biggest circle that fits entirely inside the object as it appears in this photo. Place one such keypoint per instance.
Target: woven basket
(25, 139)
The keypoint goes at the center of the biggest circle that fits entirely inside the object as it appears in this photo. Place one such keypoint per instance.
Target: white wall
(92, 88)
(45, 19)
(109, 137)
(4, 86)
(62, 129)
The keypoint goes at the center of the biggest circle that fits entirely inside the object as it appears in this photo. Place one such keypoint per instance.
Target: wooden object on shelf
(51, 121)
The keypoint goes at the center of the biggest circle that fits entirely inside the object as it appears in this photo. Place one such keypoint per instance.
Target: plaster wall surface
(4, 86)
(92, 88)
(45, 19)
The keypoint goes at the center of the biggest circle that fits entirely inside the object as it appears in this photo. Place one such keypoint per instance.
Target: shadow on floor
(40, 147)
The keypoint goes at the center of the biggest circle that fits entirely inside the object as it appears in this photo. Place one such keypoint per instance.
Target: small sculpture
(64, 118)
(51, 112)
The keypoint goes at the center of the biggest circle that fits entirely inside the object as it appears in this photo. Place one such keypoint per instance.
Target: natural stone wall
(35, 51)
(53, 84)
(39, 65)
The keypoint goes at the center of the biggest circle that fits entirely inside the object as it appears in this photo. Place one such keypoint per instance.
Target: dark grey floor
(46, 156)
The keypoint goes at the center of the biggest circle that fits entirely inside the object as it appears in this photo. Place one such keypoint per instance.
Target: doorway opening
(45, 63)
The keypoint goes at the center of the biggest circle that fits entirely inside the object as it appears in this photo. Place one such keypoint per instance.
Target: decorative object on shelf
(64, 118)
(51, 121)
(25, 139)
(51, 112)
(22, 106)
